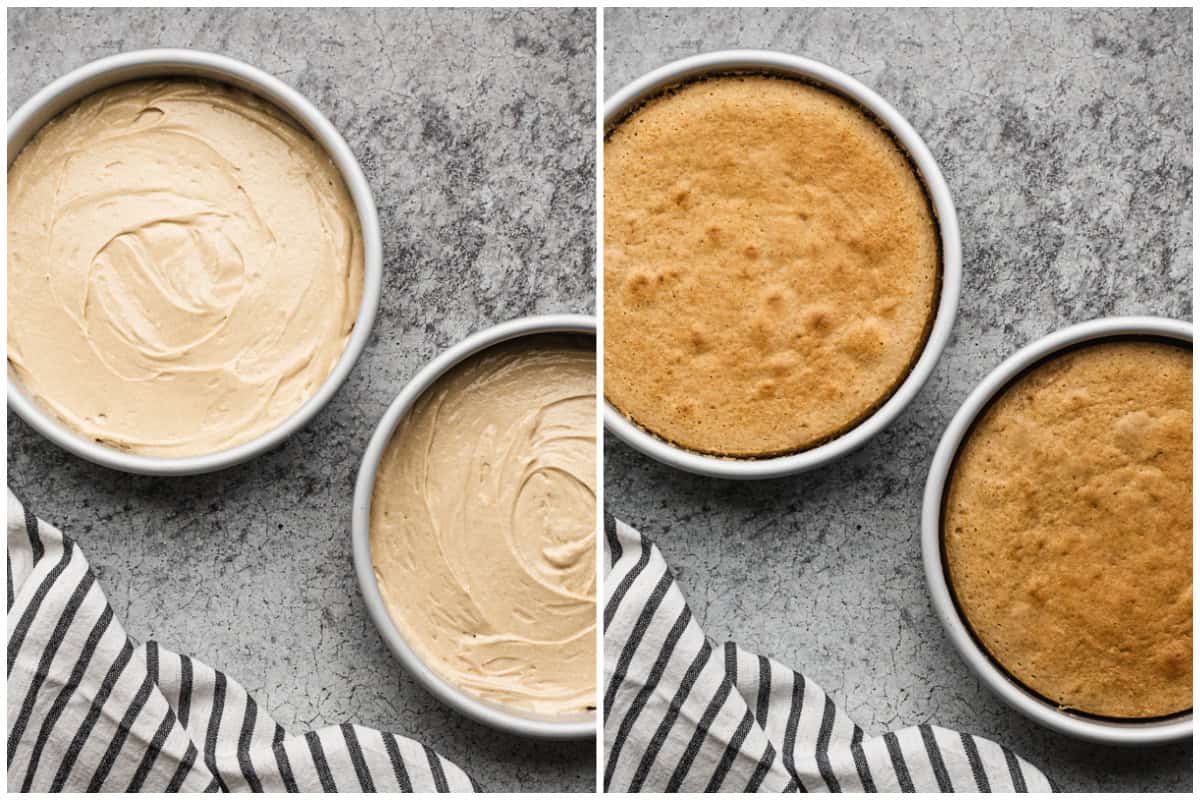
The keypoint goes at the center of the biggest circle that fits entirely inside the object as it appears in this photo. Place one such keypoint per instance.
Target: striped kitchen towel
(684, 714)
(91, 710)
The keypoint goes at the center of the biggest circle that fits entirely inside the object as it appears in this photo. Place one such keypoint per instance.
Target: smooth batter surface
(771, 266)
(184, 267)
(1068, 529)
(483, 526)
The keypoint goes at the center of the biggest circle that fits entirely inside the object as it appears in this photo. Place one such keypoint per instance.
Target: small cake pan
(630, 97)
(90, 78)
(582, 726)
(1080, 726)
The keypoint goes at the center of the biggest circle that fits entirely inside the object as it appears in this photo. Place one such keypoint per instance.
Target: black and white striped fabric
(684, 714)
(90, 710)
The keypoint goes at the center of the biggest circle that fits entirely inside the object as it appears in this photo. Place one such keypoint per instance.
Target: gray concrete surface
(1066, 138)
(475, 130)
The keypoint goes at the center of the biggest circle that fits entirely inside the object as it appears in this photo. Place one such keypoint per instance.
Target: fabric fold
(91, 710)
(684, 714)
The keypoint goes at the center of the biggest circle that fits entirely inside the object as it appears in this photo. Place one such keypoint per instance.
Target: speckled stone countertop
(475, 130)
(1066, 138)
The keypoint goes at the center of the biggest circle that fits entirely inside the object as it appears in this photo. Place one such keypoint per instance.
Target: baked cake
(1067, 529)
(771, 265)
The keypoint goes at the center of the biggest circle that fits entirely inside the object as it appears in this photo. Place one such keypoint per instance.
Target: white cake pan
(581, 726)
(1078, 725)
(90, 78)
(760, 61)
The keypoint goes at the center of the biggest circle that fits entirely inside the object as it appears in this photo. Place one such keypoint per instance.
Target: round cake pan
(1087, 727)
(582, 726)
(630, 97)
(90, 78)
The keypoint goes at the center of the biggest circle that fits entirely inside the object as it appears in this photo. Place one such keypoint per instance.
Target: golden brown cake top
(1068, 529)
(771, 266)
